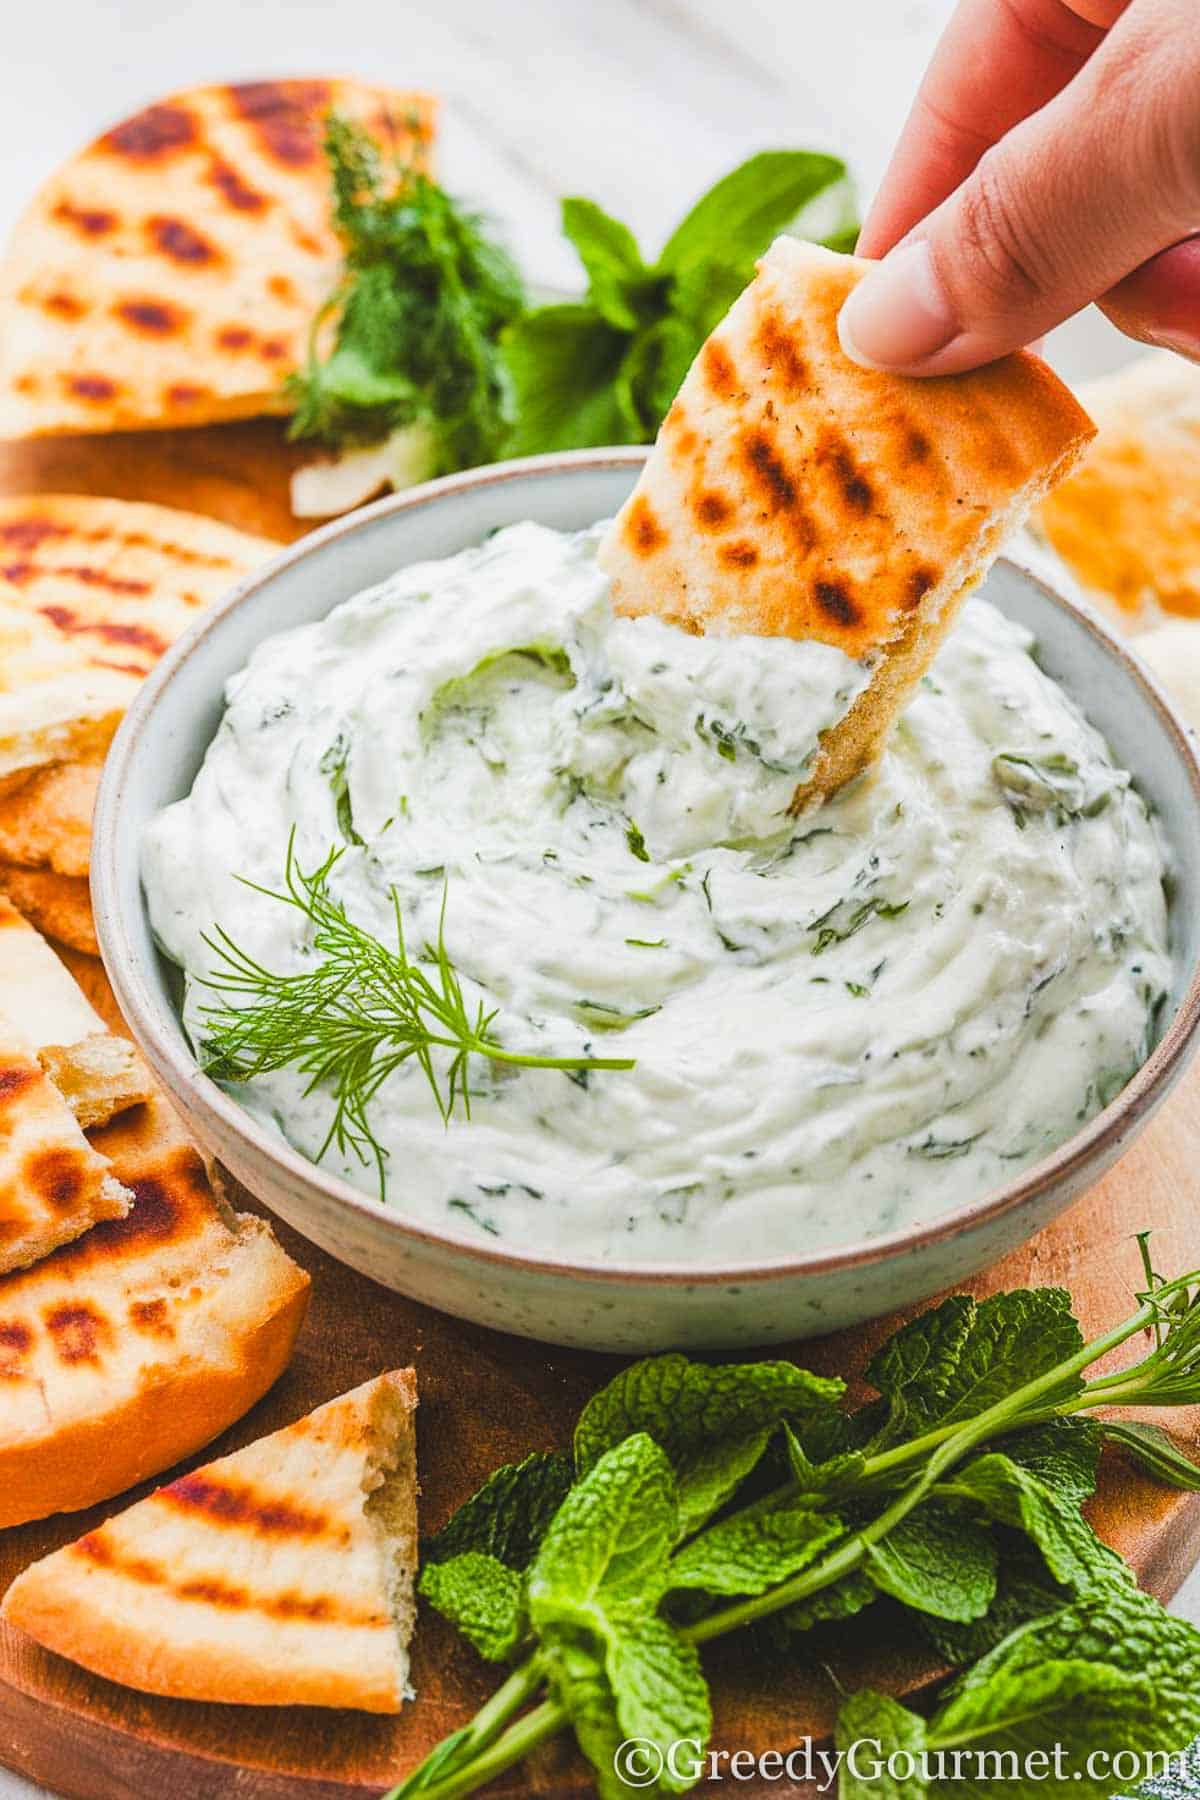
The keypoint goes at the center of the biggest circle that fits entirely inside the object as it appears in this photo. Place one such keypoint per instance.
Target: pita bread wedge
(46, 820)
(280, 1575)
(169, 273)
(97, 1073)
(1127, 522)
(793, 494)
(92, 592)
(135, 1345)
(53, 1183)
(59, 905)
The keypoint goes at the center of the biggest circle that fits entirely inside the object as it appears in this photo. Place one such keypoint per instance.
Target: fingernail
(898, 315)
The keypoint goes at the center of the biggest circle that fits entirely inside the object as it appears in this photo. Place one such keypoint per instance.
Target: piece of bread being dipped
(791, 493)
(280, 1575)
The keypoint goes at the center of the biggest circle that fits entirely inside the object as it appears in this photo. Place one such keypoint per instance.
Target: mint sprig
(957, 1493)
(606, 369)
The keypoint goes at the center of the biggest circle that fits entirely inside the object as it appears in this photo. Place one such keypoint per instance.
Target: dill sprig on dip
(352, 1019)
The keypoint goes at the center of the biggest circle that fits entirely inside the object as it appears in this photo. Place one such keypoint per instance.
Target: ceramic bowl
(609, 1306)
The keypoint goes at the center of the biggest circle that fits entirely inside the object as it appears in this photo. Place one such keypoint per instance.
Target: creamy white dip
(842, 1022)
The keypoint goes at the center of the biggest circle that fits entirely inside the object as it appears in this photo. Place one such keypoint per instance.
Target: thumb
(1053, 216)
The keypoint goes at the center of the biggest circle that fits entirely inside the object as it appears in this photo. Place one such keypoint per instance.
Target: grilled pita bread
(1127, 522)
(92, 592)
(793, 494)
(97, 1073)
(137, 1344)
(59, 905)
(46, 821)
(280, 1575)
(169, 273)
(53, 1184)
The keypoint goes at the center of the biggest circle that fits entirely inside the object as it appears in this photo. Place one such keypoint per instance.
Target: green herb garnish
(409, 336)
(701, 1499)
(355, 1016)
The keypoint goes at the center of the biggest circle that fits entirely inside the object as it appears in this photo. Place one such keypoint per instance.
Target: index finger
(997, 62)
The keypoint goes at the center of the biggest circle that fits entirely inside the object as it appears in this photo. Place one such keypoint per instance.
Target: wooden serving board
(486, 1399)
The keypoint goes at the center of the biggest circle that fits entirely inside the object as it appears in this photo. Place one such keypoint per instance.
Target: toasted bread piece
(92, 592)
(170, 272)
(59, 905)
(46, 820)
(280, 1575)
(1127, 522)
(134, 1346)
(793, 494)
(53, 1183)
(98, 1076)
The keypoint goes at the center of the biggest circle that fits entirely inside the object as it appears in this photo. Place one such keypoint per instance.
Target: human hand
(1051, 158)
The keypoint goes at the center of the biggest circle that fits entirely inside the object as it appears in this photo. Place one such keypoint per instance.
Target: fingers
(1160, 302)
(998, 61)
(1060, 211)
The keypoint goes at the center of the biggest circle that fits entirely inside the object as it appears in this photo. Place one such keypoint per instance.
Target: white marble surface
(637, 103)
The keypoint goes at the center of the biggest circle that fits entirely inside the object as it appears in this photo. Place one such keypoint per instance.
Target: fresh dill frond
(424, 293)
(356, 1015)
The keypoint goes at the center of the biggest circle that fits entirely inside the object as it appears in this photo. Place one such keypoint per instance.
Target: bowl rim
(195, 1090)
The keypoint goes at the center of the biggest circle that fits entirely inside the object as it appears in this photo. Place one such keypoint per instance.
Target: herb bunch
(605, 370)
(352, 1018)
(701, 1500)
(429, 327)
(425, 291)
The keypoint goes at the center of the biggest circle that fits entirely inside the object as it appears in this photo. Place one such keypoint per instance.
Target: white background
(639, 104)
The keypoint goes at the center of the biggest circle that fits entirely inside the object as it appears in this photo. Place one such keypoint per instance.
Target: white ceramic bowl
(608, 1306)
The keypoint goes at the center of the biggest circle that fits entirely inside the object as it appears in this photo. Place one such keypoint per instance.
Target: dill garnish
(354, 1017)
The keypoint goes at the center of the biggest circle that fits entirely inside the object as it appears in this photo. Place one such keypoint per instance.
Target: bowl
(604, 1306)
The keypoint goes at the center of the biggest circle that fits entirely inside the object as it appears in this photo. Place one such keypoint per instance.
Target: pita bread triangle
(169, 273)
(791, 493)
(92, 592)
(139, 1342)
(279, 1575)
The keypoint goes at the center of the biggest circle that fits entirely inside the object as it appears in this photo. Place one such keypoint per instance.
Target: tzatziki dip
(840, 1023)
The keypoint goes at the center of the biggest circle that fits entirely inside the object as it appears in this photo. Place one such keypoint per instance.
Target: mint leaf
(617, 276)
(956, 1361)
(840, 1470)
(508, 1517)
(483, 1598)
(938, 1562)
(579, 1681)
(657, 360)
(840, 1600)
(735, 221)
(879, 1727)
(660, 1690)
(713, 1422)
(1024, 1591)
(1064, 1453)
(1112, 1673)
(1155, 1451)
(593, 1590)
(1015, 1496)
(609, 1542)
(563, 362)
(750, 1555)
